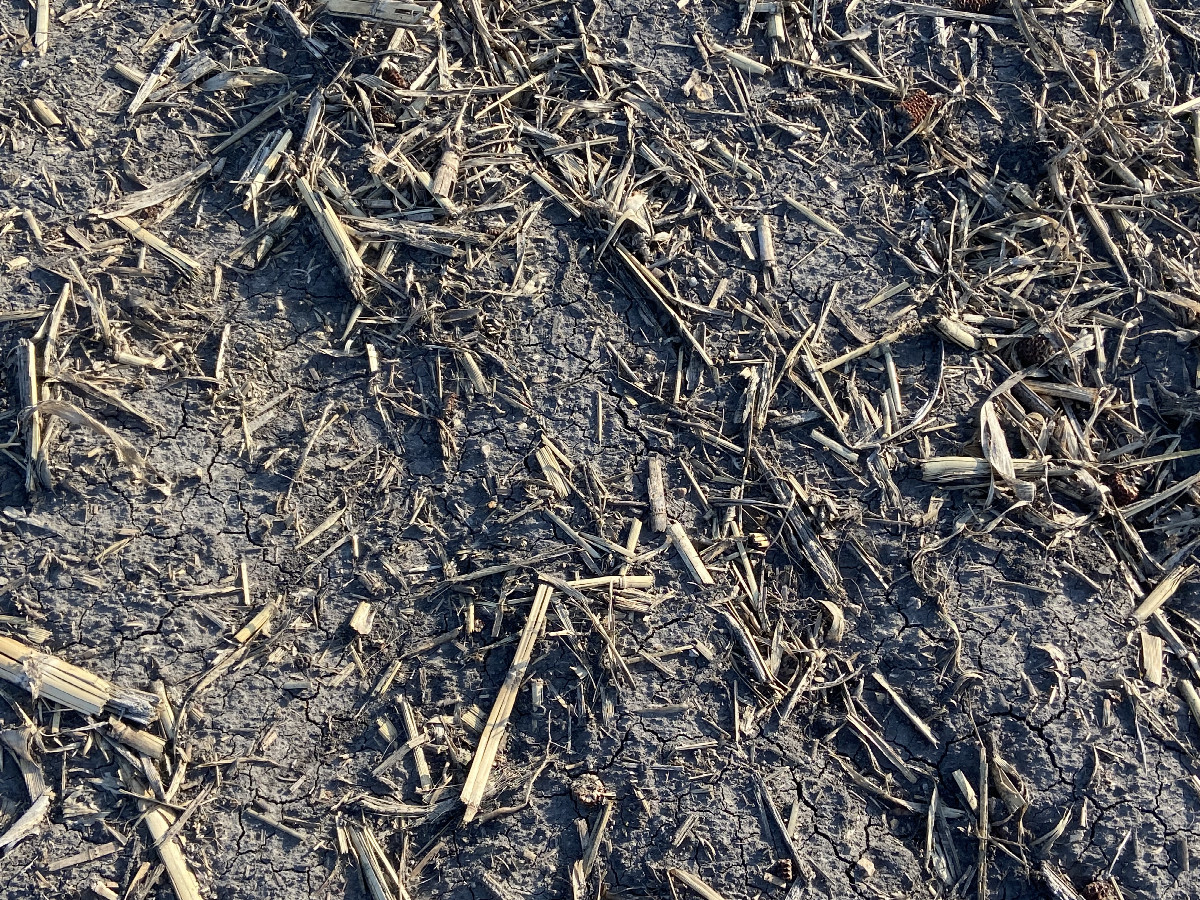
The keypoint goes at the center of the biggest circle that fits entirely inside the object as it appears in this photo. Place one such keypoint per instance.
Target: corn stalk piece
(1163, 592)
(180, 260)
(655, 290)
(801, 538)
(41, 29)
(694, 883)
(687, 550)
(497, 723)
(27, 368)
(949, 470)
(155, 76)
(382, 880)
(656, 488)
(158, 822)
(1142, 14)
(44, 675)
(419, 16)
(336, 237)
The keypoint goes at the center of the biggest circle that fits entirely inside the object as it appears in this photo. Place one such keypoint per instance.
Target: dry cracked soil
(296, 460)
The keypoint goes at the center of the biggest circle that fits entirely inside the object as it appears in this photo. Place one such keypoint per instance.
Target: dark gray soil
(1007, 633)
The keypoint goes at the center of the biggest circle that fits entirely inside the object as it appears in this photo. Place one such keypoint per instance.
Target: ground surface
(307, 456)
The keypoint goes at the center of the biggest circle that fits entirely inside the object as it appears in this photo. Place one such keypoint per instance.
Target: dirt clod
(589, 790)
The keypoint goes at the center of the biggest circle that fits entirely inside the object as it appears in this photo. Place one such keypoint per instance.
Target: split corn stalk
(49, 677)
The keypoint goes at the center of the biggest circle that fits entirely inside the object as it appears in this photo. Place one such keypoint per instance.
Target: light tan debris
(683, 543)
(177, 258)
(497, 724)
(44, 675)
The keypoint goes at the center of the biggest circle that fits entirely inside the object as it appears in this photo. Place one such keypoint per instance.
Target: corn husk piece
(837, 620)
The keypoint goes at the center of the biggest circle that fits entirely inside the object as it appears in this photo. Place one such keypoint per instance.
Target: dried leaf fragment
(73, 415)
(697, 88)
